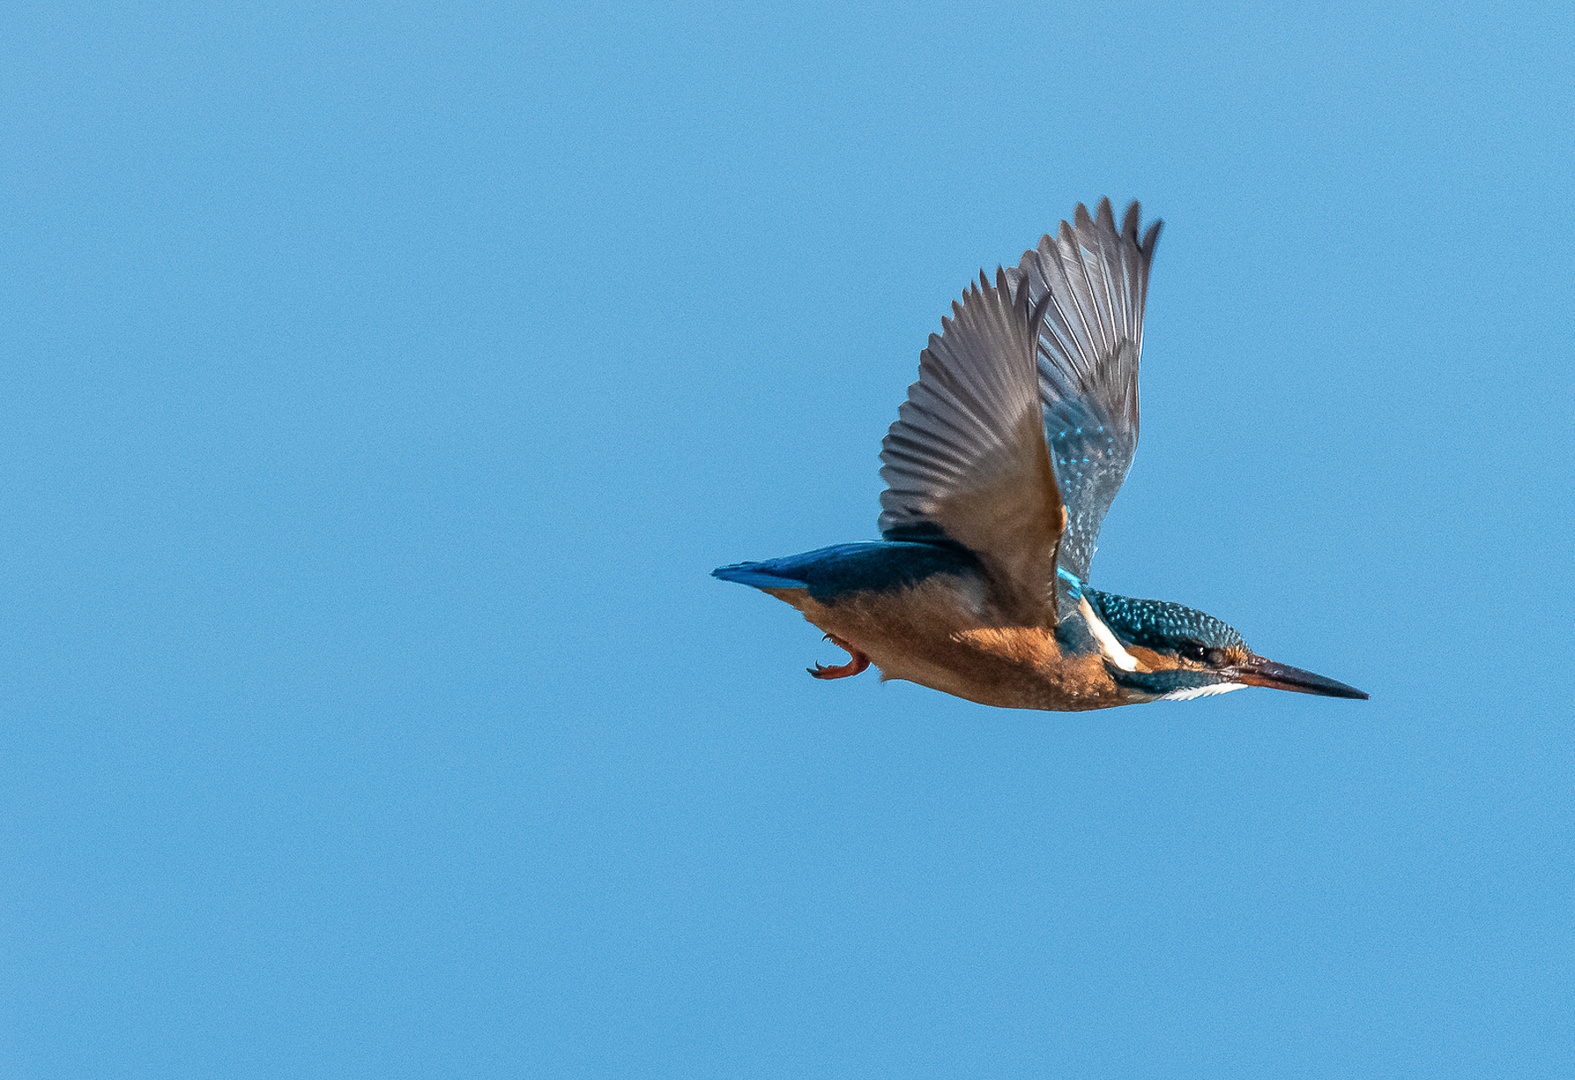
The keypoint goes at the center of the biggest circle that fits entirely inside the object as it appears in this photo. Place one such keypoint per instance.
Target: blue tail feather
(845, 568)
(758, 575)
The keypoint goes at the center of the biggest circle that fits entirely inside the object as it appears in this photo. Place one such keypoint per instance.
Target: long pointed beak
(1261, 672)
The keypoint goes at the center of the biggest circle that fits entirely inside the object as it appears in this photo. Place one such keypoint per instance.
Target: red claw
(857, 662)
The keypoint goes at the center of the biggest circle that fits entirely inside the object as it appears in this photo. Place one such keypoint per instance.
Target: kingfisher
(999, 470)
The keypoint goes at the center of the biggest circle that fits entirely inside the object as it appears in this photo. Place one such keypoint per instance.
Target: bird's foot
(857, 662)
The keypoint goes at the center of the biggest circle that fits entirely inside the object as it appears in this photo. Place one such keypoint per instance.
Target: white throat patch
(1201, 691)
(1107, 641)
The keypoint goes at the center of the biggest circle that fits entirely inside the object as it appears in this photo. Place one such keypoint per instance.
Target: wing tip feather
(1150, 240)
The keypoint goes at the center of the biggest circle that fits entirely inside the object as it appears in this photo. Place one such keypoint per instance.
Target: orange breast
(944, 634)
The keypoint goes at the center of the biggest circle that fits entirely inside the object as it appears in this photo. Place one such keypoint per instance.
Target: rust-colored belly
(941, 634)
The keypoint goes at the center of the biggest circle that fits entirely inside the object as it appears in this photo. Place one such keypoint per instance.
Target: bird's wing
(967, 460)
(1091, 279)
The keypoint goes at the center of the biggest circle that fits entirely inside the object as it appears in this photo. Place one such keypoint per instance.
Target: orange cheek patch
(1150, 660)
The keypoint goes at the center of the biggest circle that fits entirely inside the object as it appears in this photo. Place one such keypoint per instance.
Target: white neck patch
(1107, 641)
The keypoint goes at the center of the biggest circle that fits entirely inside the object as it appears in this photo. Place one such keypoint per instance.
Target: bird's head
(1191, 654)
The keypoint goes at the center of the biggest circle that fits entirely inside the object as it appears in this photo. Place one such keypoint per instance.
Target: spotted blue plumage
(1161, 625)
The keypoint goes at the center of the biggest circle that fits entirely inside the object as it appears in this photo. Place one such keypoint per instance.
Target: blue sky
(382, 383)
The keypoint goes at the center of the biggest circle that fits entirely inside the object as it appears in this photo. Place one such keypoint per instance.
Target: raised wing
(1092, 280)
(966, 458)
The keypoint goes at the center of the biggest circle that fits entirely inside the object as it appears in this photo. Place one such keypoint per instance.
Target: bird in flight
(999, 471)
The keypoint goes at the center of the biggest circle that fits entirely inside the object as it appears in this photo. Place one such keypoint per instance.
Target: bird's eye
(1192, 650)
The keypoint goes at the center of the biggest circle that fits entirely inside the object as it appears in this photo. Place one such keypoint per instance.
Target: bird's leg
(857, 662)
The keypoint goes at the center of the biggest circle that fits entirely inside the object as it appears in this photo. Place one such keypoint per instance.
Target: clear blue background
(381, 383)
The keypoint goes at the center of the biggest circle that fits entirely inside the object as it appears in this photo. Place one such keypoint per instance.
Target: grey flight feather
(967, 459)
(1092, 280)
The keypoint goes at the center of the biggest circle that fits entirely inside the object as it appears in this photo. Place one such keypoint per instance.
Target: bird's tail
(770, 574)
